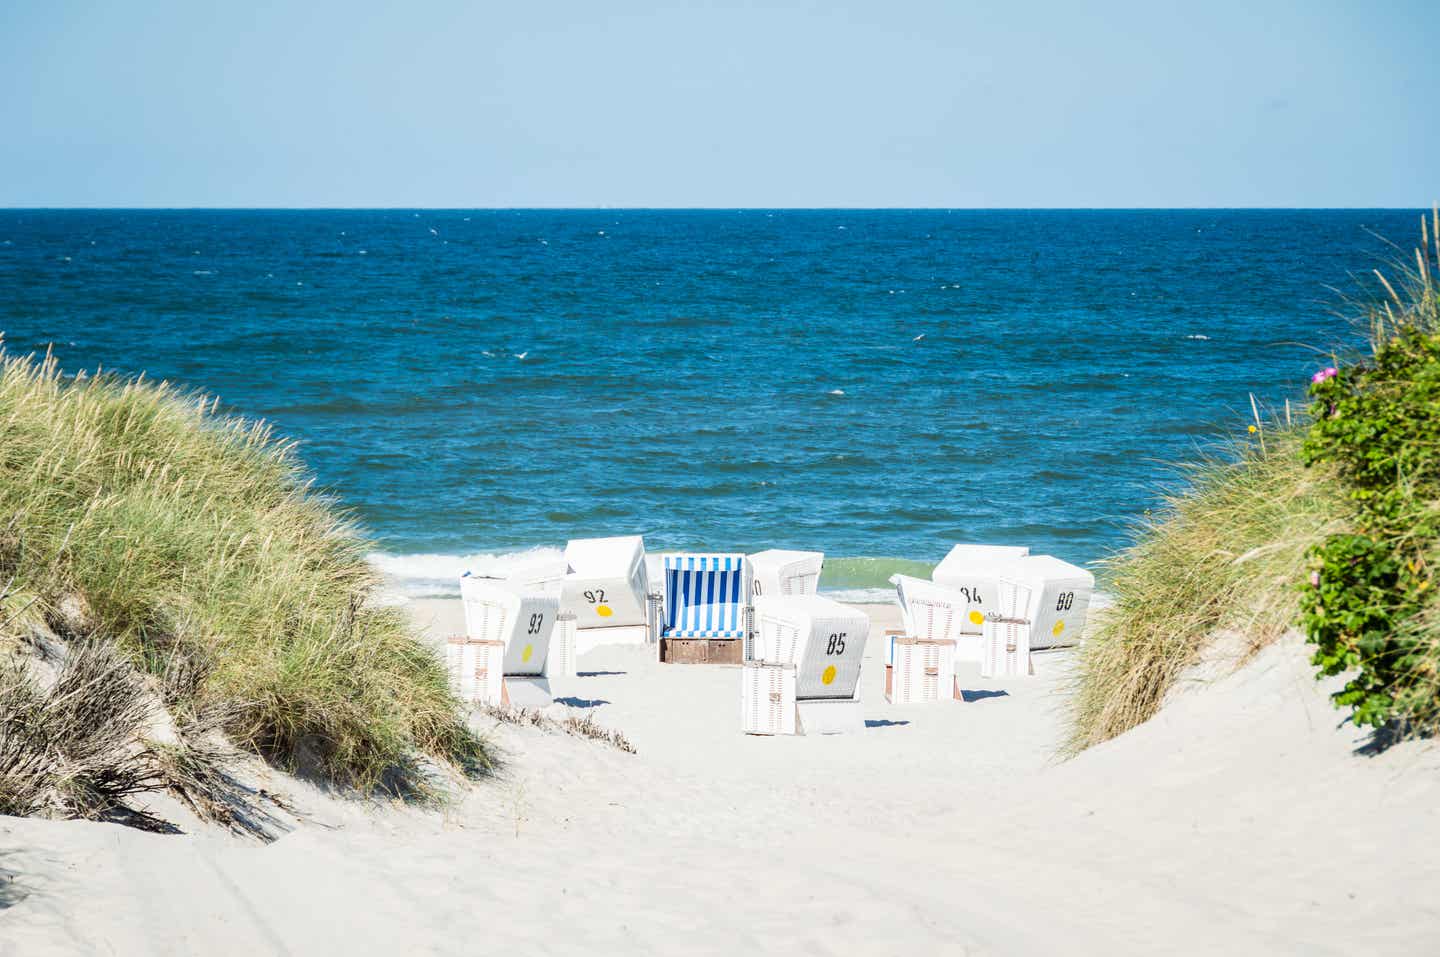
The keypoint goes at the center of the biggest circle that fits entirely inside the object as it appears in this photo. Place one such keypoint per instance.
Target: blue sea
(480, 385)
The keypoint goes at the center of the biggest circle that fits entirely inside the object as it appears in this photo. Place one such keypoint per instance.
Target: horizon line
(731, 209)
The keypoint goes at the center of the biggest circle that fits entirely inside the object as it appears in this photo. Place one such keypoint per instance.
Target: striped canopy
(705, 596)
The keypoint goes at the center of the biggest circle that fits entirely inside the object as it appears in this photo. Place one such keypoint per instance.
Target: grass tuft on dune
(1223, 555)
(134, 515)
(1332, 527)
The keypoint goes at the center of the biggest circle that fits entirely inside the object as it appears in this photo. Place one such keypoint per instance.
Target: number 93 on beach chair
(503, 657)
(807, 676)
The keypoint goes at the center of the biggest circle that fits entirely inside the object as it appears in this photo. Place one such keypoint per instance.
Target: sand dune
(1241, 818)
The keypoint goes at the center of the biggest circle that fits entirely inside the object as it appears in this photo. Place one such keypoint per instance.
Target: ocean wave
(428, 575)
(859, 581)
(861, 596)
(869, 574)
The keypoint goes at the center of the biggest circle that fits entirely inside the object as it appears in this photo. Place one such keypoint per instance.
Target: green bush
(1367, 602)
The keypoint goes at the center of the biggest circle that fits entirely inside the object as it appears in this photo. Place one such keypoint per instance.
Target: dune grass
(1224, 554)
(133, 514)
(70, 748)
(1331, 526)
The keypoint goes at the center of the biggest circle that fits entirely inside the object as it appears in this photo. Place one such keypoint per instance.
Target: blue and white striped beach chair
(706, 596)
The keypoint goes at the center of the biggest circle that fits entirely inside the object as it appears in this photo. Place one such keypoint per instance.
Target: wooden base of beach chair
(702, 651)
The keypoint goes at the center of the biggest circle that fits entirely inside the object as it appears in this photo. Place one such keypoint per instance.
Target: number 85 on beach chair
(821, 643)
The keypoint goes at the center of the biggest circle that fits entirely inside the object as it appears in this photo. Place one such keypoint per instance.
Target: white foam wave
(433, 575)
(438, 576)
(860, 596)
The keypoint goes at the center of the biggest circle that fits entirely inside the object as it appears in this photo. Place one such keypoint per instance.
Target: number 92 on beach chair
(808, 678)
(606, 587)
(506, 643)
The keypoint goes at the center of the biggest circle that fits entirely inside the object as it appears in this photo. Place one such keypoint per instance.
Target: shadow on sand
(11, 893)
(573, 702)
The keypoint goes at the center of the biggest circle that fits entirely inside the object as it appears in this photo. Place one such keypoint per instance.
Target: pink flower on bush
(1315, 579)
(1329, 372)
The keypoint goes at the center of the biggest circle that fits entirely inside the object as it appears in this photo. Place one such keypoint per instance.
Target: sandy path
(1240, 818)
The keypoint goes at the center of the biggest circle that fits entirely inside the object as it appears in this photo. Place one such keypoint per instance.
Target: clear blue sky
(610, 102)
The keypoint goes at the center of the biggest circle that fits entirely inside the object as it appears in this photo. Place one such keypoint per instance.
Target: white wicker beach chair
(778, 571)
(521, 622)
(606, 588)
(824, 642)
(564, 656)
(1060, 596)
(923, 670)
(965, 561)
(974, 571)
(477, 669)
(939, 613)
(706, 596)
(767, 698)
(542, 575)
(1006, 642)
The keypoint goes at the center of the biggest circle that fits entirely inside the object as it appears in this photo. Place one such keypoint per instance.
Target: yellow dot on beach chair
(976, 618)
(603, 611)
(1059, 627)
(828, 675)
(529, 650)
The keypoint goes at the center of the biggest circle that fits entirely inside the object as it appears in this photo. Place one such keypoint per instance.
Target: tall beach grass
(1231, 551)
(1223, 554)
(134, 514)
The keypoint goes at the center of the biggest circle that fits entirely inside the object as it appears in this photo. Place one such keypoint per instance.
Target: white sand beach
(1239, 819)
